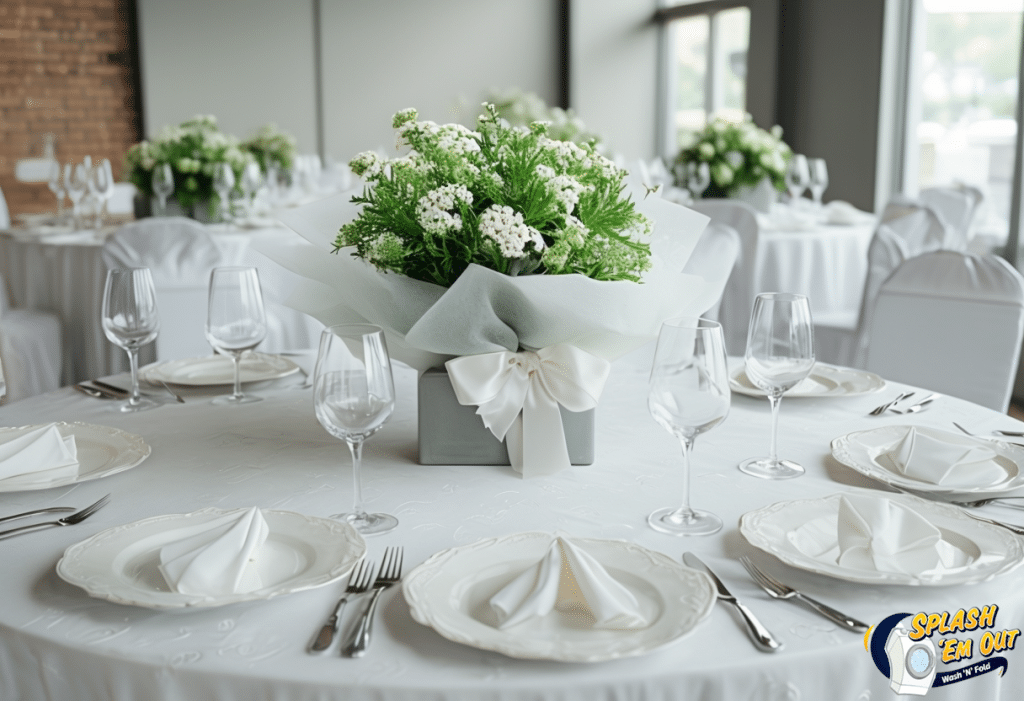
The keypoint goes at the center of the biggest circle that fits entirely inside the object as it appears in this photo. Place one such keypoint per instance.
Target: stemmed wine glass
(354, 395)
(818, 179)
(224, 183)
(797, 177)
(236, 321)
(780, 354)
(698, 177)
(130, 320)
(252, 179)
(76, 182)
(163, 184)
(103, 181)
(56, 185)
(689, 394)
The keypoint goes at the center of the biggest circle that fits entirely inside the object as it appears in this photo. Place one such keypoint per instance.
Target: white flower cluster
(506, 228)
(566, 188)
(367, 165)
(433, 211)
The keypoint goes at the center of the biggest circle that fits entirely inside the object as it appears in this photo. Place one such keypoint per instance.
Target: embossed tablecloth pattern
(58, 644)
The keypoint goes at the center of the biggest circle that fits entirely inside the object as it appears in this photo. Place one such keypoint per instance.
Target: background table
(65, 275)
(56, 643)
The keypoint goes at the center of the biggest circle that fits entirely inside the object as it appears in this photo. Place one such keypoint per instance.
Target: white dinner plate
(219, 370)
(865, 452)
(450, 593)
(990, 550)
(101, 451)
(120, 564)
(824, 381)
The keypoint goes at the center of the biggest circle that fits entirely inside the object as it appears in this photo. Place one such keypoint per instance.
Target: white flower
(434, 210)
(367, 164)
(506, 228)
(707, 150)
(722, 173)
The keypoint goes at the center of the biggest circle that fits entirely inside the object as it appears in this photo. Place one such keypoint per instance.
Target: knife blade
(762, 637)
(95, 392)
(110, 388)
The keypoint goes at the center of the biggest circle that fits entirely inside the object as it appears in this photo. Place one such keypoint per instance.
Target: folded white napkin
(570, 580)
(39, 456)
(217, 557)
(842, 213)
(944, 459)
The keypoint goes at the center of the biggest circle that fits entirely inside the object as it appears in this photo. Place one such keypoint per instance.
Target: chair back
(950, 322)
(716, 258)
(180, 253)
(955, 208)
(741, 288)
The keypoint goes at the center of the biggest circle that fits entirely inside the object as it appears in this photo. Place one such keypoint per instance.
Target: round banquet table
(57, 643)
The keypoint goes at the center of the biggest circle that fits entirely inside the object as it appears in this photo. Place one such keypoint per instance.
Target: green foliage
(271, 145)
(507, 198)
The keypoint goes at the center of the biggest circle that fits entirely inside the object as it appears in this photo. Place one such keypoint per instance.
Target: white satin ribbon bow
(518, 396)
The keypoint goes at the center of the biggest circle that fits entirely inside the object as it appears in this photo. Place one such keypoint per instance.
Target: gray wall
(830, 66)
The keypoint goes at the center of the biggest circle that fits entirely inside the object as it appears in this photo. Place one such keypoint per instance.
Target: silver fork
(919, 406)
(777, 590)
(358, 582)
(71, 520)
(390, 573)
(882, 408)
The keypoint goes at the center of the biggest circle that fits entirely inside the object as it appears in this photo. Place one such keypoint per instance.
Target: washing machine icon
(912, 663)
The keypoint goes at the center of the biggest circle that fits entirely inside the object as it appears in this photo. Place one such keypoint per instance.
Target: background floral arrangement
(193, 149)
(520, 109)
(271, 145)
(510, 199)
(738, 154)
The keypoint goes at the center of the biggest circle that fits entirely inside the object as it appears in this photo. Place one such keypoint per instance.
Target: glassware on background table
(252, 180)
(224, 183)
(103, 181)
(56, 185)
(130, 320)
(698, 177)
(76, 183)
(163, 185)
(236, 321)
(818, 182)
(354, 395)
(780, 354)
(688, 395)
(798, 177)
(273, 180)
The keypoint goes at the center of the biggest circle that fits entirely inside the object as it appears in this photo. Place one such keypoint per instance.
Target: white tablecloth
(828, 263)
(65, 275)
(58, 644)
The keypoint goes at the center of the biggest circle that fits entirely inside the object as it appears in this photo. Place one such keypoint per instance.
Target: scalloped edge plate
(102, 451)
(120, 564)
(824, 381)
(449, 593)
(255, 367)
(853, 451)
(766, 529)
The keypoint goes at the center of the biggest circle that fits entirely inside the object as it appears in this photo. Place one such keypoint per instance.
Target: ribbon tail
(541, 447)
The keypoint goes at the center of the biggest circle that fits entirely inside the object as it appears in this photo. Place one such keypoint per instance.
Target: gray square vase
(453, 434)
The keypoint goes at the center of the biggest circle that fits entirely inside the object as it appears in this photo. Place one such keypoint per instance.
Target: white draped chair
(31, 350)
(956, 208)
(180, 253)
(910, 230)
(738, 296)
(950, 322)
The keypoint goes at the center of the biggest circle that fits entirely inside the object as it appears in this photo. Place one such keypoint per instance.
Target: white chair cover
(5, 215)
(911, 231)
(738, 296)
(715, 257)
(953, 323)
(123, 200)
(180, 253)
(31, 350)
(955, 207)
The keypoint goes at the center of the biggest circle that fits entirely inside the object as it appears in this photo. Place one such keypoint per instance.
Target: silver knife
(762, 638)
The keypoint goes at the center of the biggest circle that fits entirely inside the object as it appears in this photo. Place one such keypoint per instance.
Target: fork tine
(88, 511)
(758, 576)
(396, 570)
(772, 582)
(366, 577)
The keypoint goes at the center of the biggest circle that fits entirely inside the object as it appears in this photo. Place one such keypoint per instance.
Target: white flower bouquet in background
(502, 245)
(520, 109)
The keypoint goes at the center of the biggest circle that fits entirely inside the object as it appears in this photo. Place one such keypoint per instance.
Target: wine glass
(698, 177)
(689, 394)
(797, 177)
(130, 320)
(780, 354)
(354, 395)
(56, 185)
(163, 184)
(236, 321)
(252, 179)
(223, 183)
(818, 179)
(76, 182)
(103, 184)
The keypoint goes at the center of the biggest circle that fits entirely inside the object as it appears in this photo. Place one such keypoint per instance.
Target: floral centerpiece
(739, 155)
(521, 108)
(193, 149)
(518, 262)
(269, 146)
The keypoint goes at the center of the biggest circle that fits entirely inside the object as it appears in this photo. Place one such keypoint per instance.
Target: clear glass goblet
(698, 177)
(224, 183)
(818, 179)
(56, 185)
(798, 177)
(130, 320)
(354, 395)
(689, 395)
(780, 354)
(163, 185)
(236, 321)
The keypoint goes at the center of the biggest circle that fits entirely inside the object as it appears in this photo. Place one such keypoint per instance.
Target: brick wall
(67, 67)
